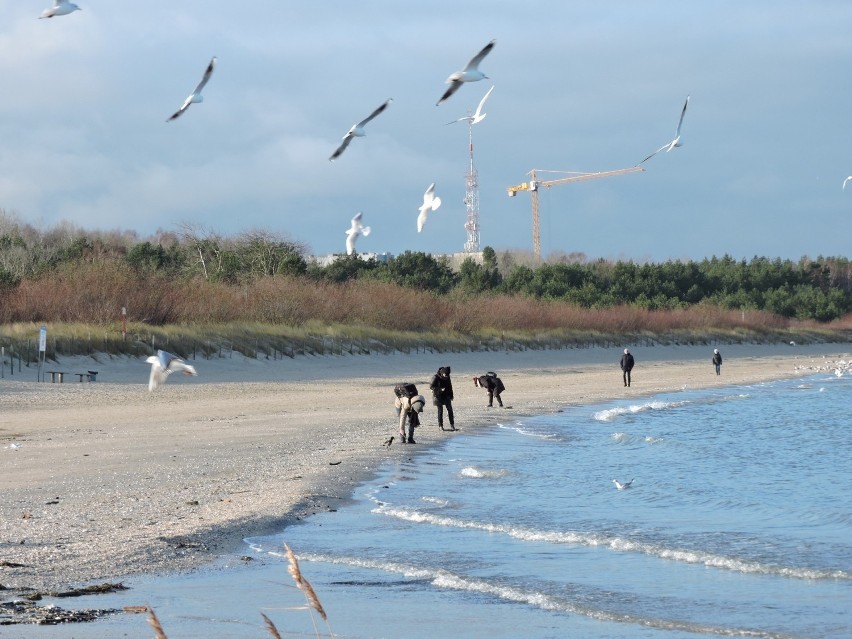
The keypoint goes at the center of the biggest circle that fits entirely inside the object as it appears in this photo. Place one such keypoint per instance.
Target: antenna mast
(471, 200)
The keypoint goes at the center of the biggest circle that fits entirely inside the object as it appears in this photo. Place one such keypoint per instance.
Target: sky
(579, 86)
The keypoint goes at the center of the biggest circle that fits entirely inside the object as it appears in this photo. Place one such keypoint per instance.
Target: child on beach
(493, 384)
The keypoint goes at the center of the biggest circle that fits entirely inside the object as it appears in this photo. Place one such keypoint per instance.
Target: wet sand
(105, 480)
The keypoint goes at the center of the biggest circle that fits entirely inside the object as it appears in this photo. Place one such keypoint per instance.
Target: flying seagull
(676, 142)
(623, 486)
(470, 73)
(845, 181)
(477, 117)
(431, 202)
(357, 130)
(164, 364)
(195, 96)
(354, 231)
(60, 8)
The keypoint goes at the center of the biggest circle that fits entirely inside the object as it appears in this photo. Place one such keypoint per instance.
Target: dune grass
(577, 328)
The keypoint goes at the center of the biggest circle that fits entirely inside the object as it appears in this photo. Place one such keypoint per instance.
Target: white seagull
(470, 73)
(357, 130)
(195, 96)
(676, 142)
(845, 181)
(477, 117)
(60, 8)
(431, 202)
(623, 486)
(354, 231)
(164, 364)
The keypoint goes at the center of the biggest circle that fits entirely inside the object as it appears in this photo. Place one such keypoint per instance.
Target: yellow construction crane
(534, 184)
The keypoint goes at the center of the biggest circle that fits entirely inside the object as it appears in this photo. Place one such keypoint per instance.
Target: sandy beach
(103, 480)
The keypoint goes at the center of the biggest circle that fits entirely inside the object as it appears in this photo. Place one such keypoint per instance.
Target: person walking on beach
(717, 361)
(408, 409)
(442, 396)
(493, 384)
(626, 366)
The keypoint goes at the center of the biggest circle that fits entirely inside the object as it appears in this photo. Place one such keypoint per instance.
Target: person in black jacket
(626, 366)
(717, 361)
(493, 384)
(442, 396)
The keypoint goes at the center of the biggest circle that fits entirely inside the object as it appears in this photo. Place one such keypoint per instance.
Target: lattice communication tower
(471, 200)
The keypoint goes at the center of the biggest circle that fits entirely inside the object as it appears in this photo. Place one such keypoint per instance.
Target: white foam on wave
(522, 430)
(620, 544)
(438, 501)
(611, 414)
(507, 591)
(477, 473)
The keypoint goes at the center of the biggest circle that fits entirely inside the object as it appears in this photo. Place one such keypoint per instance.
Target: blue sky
(579, 86)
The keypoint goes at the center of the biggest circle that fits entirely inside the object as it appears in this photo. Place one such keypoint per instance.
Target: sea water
(737, 524)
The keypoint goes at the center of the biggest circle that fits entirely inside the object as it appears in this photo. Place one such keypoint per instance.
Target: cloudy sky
(579, 86)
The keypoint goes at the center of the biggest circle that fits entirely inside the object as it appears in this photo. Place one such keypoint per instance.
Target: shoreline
(106, 480)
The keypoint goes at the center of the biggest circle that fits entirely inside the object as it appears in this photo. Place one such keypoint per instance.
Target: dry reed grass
(159, 633)
(290, 316)
(270, 627)
(303, 584)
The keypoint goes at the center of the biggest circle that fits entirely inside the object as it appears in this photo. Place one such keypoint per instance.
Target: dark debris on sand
(27, 611)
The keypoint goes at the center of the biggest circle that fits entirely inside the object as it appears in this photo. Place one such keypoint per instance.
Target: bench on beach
(87, 376)
(56, 376)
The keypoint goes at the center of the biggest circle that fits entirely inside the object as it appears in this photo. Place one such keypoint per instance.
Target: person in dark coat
(717, 361)
(626, 366)
(493, 384)
(442, 396)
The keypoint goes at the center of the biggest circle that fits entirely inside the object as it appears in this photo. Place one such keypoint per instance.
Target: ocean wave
(502, 589)
(521, 429)
(438, 501)
(611, 414)
(619, 544)
(478, 473)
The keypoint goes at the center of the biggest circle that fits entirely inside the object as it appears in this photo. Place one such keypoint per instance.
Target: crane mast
(534, 184)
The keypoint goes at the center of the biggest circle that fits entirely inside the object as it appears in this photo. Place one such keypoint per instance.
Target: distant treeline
(67, 274)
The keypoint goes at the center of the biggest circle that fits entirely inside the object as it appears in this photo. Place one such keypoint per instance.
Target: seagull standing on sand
(470, 73)
(164, 364)
(623, 486)
(195, 96)
(431, 202)
(845, 181)
(60, 8)
(357, 130)
(676, 142)
(478, 116)
(354, 231)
